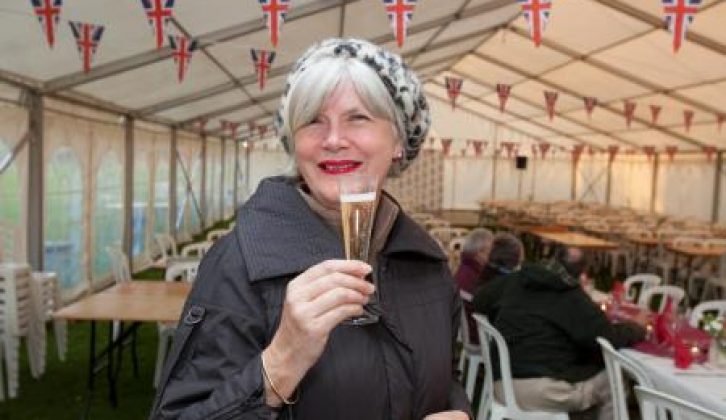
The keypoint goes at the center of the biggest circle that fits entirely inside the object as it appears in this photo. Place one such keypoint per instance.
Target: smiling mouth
(336, 167)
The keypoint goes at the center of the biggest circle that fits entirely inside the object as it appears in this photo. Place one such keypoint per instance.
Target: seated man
(474, 256)
(550, 326)
(506, 257)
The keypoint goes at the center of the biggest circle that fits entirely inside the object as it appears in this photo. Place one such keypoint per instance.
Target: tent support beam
(223, 163)
(203, 188)
(128, 232)
(494, 162)
(36, 172)
(609, 182)
(235, 180)
(654, 182)
(172, 182)
(717, 188)
(573, 180)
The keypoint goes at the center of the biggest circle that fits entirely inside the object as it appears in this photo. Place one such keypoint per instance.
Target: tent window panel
(552, 179)
(685, 188)
(591, 180)
(631, 183)
(161, 195)
(213, 182)
(229, 162)
(108, 218)
(10, 208)
(142, 197)
(64, 230)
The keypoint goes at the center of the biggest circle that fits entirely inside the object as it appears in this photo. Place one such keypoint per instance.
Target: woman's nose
(334, 137)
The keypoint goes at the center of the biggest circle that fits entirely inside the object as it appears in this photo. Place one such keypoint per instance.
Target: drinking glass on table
(357, 206)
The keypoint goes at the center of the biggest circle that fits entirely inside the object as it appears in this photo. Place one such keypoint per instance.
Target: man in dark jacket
(474, 256)
(550, 326)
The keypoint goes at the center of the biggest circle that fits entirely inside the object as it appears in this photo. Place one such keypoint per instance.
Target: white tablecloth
(700, 384)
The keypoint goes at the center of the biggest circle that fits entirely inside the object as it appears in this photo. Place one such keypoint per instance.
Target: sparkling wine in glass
(357, 207)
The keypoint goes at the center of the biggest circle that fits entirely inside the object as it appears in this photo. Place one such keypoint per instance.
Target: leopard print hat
(400, 81)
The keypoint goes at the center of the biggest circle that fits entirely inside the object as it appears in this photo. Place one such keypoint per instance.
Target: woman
(263, 329)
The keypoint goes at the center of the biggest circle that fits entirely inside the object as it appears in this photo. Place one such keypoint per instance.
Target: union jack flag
(671, 152)
(550, 100)
(87, 38)
(544, 147)
(654, 113)
(503, 92)
(629, 112)
(183, 48)
(688, 119)
(446, 146)
(48, 13)
(678, 15)
(590, 104)
(537, 13)
(453, 88)
(158, 12)
(612, 152)
(274, 12)
(262, 60)
(231, 127)
(400, 13)
(649, 151)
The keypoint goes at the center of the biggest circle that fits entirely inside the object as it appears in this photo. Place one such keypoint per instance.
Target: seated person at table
(550, 326)
(505, 258)
(474, 256)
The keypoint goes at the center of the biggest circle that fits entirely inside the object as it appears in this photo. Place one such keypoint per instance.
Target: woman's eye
(360, 117)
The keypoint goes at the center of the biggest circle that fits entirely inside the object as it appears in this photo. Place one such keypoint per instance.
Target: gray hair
(476, 240)
(507, 251)
(320, 79)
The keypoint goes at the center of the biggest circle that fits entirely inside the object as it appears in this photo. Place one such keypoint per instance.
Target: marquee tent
(129, 148)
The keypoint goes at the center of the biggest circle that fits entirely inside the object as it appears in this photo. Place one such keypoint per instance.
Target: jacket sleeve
(457, 396)
(214, 369)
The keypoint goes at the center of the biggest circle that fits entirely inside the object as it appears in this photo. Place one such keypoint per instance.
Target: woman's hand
(315, 302)
(448, 415)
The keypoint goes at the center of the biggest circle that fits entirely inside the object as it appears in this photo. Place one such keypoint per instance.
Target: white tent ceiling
(614, 50)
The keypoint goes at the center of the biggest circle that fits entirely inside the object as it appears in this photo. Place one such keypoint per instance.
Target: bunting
(649, 151)
(251, 127)
(183, 48)
(719, 121)
(534, 150)
(262, 61)
(446, 146)
(509, 147)
(262, 129)
(232, 127)
(544, 147)
(590, 104)
(629, 112)
(679, 15)
(537, 13)
(654, 113)
(550, 100)
(87, 36)
(159, 14)
(503, 91)
(671, 152)
(612, 152)
(591, 151)
(400, 13)
(453, 88)
(48, 13)
(478, 147)
(687, 119)
(202, 123)
(274, 12)
(709, 151)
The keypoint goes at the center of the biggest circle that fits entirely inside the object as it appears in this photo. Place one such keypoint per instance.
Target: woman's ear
(397, 153)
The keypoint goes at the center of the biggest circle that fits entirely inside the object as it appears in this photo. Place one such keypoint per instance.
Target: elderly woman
(263, 332)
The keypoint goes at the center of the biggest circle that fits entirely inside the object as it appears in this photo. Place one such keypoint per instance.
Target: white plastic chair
(637, 283)
(49, 297)
(168, 248)
(187, 271)
(20, 317)
(489, 407)
(215, 234)
(454, 252)
(717, 306)
(197, 248)
(674, 292)
(679, 409)
(615, 364)
(471, 353)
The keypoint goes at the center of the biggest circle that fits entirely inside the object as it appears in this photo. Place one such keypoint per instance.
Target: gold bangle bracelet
(285, 401)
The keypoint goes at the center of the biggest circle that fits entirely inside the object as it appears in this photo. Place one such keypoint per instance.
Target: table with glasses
(131, 302)
(701, 384)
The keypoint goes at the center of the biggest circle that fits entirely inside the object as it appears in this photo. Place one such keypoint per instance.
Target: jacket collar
(279, 234)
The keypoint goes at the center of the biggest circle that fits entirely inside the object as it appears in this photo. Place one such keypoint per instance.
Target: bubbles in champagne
(357, 211)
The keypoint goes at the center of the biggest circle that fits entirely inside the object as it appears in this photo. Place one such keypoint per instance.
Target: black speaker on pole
(521, 162)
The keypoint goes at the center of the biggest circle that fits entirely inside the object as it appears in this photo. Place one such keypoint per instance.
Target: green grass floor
(61, 392)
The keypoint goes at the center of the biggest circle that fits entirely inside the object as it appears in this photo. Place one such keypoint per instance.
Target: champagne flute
(357, 206)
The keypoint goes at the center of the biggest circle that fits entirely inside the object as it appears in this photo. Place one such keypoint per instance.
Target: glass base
(364, 319)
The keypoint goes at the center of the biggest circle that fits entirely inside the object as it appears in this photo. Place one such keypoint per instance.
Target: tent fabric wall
(551, 179)
(188, 186)
(631, 182)
(84, 162)
(213, 179)
(685, 187)
(229, 171)
(466, 181)
(591, 179)
(13, 183)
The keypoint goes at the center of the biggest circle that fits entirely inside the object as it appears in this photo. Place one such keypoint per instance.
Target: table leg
(109, 356)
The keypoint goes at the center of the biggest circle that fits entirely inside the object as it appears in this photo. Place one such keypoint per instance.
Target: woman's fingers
(330, 319)
(315, 288)
(335, 297)
(351, 267)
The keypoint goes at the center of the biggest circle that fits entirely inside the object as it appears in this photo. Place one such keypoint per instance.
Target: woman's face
(344, 138)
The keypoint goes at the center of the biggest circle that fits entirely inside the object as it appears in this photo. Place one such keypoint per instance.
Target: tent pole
(248, 163)
(36, 170)
(128, 234)
(717, 188)
(235, 181)
(203, 190)
(494, 163)
(608, 187)
(221, 181)
(573, 182)
(172, 183)
(654, 182)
